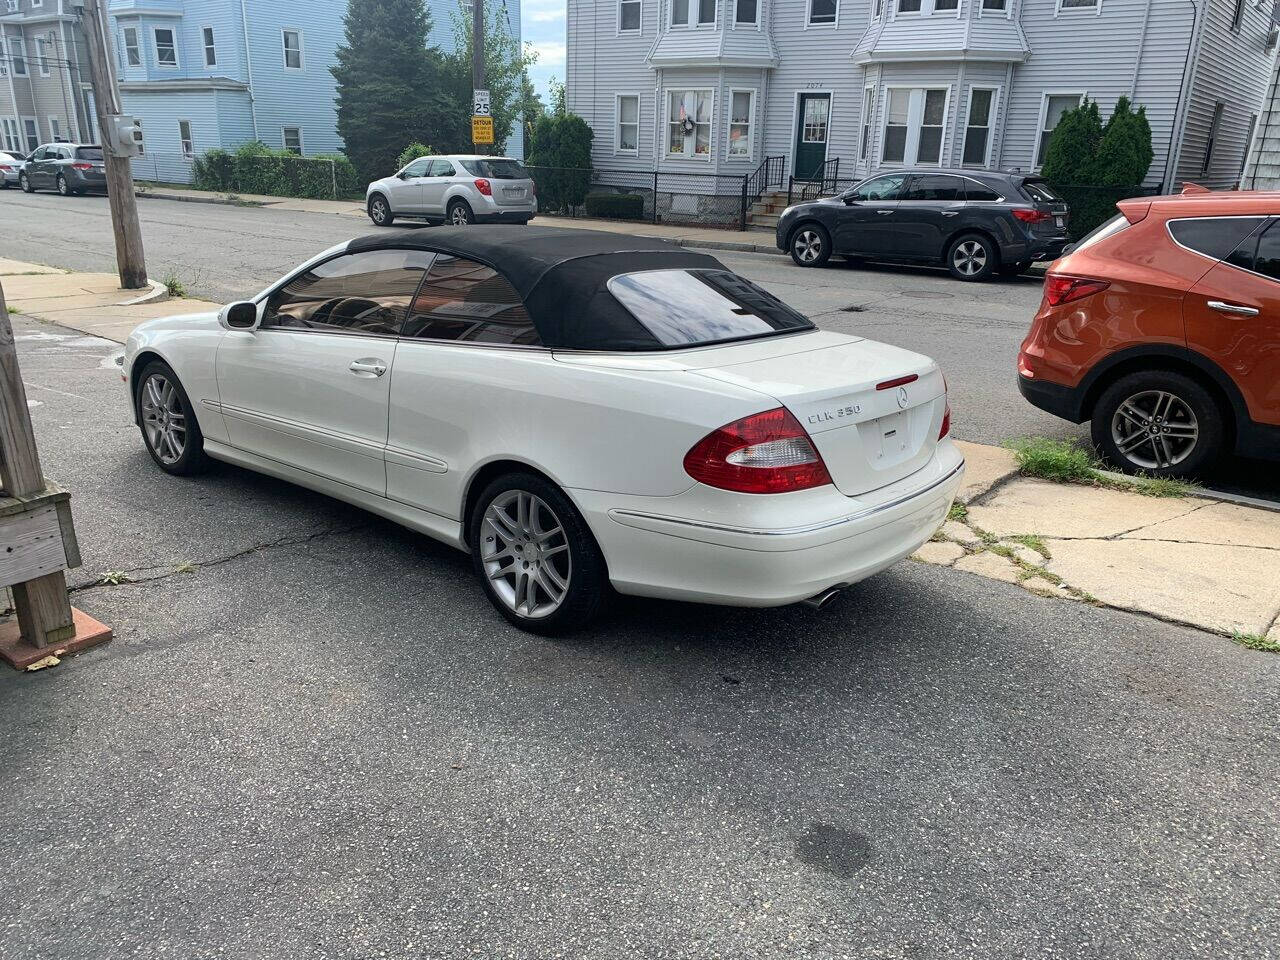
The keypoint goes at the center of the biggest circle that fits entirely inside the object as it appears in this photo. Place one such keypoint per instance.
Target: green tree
(388, 83)
(1073, 145)
(1124, 152)
(412, 152)
(561, 158)
(505, 63)
(531, 110)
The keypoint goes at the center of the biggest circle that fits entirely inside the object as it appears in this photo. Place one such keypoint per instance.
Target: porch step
(765, 221)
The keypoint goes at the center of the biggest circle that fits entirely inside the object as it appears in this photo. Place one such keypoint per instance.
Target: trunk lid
(869, 430)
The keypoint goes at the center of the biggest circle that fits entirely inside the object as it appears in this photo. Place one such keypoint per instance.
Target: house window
(1078, 4)
(1214, 124)
(822, 12)
(55, 129)
(32, 133)
(977, 131)
(629, 16)
(683, 10)
(741, 107)
(628, 123)
(166, 47)
(689, 123)
(210, 51)
(747, 12)
(913, 127)
(879, 9)
(292, 49)
(908, 6)
(12, 5)
(868, 104)
(12, 141)
(1238, 15)
(18, 56)
(42, 55)
(292, 139)
(184, 137)
(1055, 105)
(945, 6)
(132, 52)
(994, 5)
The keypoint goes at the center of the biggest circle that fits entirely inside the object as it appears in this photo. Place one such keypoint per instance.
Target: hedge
(256, 168)
(615, 206)
(1091, 206)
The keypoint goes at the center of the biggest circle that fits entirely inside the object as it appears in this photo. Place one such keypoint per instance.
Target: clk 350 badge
(837, 414)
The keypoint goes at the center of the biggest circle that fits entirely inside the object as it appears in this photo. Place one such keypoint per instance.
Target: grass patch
(1034, 542)
(175, 286)
(1253, 641)
(958, 511)
(1066, 461)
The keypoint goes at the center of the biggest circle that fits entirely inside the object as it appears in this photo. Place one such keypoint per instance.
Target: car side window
(39, 154)
(935, 187)
(418, 168)
(974, 190)
(363, 293)
(1214, 237)
(467, 301)
(881, 188)
(1259, 253)
(442, 168)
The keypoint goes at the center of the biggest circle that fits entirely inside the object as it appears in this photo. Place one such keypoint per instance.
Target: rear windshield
(684, 308)
(1039, 190)
(1108, 229)
(88, 153)
(498, 169)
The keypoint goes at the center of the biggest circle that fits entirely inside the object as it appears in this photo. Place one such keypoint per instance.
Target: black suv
(973, 222)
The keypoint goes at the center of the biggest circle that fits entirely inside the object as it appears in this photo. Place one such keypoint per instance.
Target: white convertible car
(578, 410)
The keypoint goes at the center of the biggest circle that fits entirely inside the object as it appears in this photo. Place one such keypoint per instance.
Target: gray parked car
(457, 189)
(10, 164)
(972, 222)
(66, 167)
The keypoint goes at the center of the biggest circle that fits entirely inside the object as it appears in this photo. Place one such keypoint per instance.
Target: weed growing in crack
(1034, 542)
(1066, 461)
(1253, 641)
(186, 568)
(115, 578)
(174, 285)
(958, 511)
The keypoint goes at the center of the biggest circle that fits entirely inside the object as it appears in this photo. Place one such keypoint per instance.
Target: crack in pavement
(172, 570)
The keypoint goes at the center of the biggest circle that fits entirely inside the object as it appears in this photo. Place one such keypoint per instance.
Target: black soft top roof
(561, 274)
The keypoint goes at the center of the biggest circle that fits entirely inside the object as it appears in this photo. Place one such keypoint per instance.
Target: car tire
(972, 256)
(25, 183)
(159, 392)
(1159, 423)
(379, 210)
(64, 188)
(460, 214)
(810, 245)
(500, 530)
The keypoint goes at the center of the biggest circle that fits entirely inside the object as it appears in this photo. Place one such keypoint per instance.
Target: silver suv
(456, 189)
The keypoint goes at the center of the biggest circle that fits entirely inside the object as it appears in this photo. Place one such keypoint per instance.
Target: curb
(1203, 493)
(182, 199)
(157, 294)
(730, 245)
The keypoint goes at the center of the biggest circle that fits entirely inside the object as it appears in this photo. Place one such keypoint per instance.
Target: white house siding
(1225, 56)
(1134, 48)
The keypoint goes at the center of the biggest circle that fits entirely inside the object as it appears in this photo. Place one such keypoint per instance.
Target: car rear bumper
(769, 551)
(504, 216)
(1061, 401)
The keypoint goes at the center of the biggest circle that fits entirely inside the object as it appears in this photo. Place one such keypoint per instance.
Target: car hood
(182, 321)
(380, 184)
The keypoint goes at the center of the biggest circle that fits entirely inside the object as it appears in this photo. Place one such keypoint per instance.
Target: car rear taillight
(82, 166)
(1032, 216)
(766, 452)
(1059, 289)
(4, 166)
(485, 187)
(535, 187)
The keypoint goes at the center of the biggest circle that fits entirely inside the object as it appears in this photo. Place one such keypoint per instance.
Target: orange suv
(1162, 327)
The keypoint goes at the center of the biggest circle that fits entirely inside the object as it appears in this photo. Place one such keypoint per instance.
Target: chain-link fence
(693, 199)
(274, 174)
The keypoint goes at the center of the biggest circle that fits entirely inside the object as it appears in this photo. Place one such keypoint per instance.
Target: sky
(542, 23)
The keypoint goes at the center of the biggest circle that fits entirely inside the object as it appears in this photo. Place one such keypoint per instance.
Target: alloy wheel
(969, 258)
(379, 209)
(525, 554)
(459, 216)
(163, 418)
(1155, 429)
(807, 245)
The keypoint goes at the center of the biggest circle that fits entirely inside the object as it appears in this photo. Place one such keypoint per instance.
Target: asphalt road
(323, 743)
(223, 253)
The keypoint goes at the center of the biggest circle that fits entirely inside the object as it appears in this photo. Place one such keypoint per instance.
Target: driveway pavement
(321, 742)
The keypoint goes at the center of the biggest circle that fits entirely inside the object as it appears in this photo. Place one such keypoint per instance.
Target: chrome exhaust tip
(820, 600)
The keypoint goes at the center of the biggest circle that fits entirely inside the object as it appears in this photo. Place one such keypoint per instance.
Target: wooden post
(124, 204)
(44, 612)
(477, 59)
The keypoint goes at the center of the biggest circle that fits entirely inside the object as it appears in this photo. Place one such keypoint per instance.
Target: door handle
(951, 213)
(1233, 308)
(884, 213)
(368, 366)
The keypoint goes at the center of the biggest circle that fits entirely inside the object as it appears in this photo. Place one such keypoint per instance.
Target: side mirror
(242, 315)
(849, 199)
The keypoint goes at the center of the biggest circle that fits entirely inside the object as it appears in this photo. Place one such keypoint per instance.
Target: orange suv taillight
(1060, 289)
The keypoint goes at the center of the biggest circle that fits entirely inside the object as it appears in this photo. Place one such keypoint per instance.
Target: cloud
(551, 53)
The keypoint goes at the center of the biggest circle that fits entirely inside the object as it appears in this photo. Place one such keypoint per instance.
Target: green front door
(812, 123)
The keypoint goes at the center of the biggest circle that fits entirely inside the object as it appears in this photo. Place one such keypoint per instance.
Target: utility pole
(477, 67)
(124, 205)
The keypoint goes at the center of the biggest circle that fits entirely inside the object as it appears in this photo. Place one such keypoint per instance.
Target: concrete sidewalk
(1191, 560)
(740, 241)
